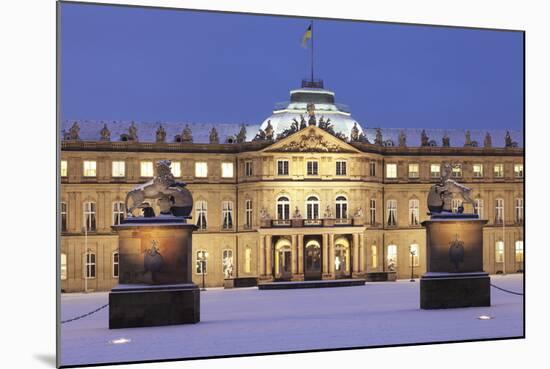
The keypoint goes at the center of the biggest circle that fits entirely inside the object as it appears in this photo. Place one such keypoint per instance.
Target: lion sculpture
(171, 195)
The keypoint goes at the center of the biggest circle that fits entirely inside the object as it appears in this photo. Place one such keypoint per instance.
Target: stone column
(268, 256)
(261, 265)
(325, 254)
(355, 253)
(294, 248)
(361, 253)
(300, 254)
(331, 255)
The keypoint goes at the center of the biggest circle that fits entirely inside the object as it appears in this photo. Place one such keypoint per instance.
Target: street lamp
(202, 259)
(413, 252)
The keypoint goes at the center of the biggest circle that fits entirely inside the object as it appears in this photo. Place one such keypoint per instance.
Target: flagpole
(311, 25)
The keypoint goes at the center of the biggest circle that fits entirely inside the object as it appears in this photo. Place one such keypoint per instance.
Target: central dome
(324, 106)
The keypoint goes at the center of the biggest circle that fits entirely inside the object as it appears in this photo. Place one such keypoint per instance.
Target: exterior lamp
(413, 252)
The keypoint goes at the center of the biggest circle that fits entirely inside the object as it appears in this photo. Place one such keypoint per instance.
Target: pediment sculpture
(311, 142)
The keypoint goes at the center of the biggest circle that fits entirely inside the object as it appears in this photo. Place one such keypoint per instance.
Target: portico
(311, 253)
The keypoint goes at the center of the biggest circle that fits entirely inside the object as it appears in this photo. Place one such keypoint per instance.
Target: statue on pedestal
(186, 135)
(213, 136)
(488, 142)
(161, 134)
(105, 133)
(269, 131)
(424, 140)
(132, 132)
(378, 140)
(74, 132)
(446, 140)
(402, 139)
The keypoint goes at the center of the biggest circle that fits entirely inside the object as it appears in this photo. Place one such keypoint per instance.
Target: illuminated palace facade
(308, 194)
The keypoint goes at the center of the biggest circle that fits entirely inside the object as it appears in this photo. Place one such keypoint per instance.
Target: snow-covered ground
(242, 321)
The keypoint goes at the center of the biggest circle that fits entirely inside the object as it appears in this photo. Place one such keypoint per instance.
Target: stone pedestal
(455, 276)
(155, 274)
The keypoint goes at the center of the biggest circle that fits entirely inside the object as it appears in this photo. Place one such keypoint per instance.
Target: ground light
(119, 341)
(484, 317)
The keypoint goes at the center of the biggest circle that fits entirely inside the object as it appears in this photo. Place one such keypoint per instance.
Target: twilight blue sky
(124, 63)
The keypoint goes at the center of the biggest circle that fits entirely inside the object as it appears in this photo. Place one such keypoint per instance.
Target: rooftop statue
(171, 195)
(311, 112)
(105, 133)
(402, 139)
(446, 140)
(241, 136)
(354, 132)
(132, 132)
(303, 123)
(508, 140)
(269, 131)
(74, 132)
(186, 135)
(213, 136)
(378, 140)
(161, 134)
(441, 194)
(488, 142)
(468, 139)
(424, 140)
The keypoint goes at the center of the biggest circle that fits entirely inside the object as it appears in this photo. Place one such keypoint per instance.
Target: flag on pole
(306, 36)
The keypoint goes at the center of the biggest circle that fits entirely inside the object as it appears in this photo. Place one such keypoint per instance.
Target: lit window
(392, 212)
(499, 252)
(227, 170)
(455, 204)
(90, 168)
(341, 168)
(118, 212)
(283, 208)
(115, 264)
(146, 169)
(312, 168)
(519, 251)
(227, 214)
(227, 263)
(247, 260)
(63, 217)
(247, 168)
(201, 262)
(457, 171)
(90, 265)
(478, 170)
(175, 167)
(63, 168)
(312, 207)
(435, 170)
(201, 169)
(89, 216)
(519, 210)
(391, 170)
(372, 211)
(518, 170)
(414, 211)
(341, 207)
(372, 169)
(201, 214)
(391, 258)
(478, 207)
(118, 168)
(499, 211)
(282, 167)
(374, 256)
(413, 170)
(248, 213)
(414, 250)
(63, 267)
(499, 170)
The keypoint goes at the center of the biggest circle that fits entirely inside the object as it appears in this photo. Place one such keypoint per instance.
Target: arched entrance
(341, 258)
(283, 260)
(312, 260)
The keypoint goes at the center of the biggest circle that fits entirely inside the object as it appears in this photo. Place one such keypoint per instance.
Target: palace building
(309, 193)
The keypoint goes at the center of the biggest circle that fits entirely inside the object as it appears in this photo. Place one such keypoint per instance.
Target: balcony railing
(317, 222)
(313, 222)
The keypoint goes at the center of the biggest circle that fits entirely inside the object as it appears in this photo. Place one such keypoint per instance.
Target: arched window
(341, 207)
(118, 212)
(283, 208)
(312, 207)
(115, 264)
(414, 211)
(227, 214)
(89, 216)
(201, 209)
(392, 213)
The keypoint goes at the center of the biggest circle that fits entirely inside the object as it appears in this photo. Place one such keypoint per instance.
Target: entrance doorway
(341, 258)
(312, 260)
(283, 260)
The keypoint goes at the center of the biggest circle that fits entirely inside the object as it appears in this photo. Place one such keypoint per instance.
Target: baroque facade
(305, 200)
